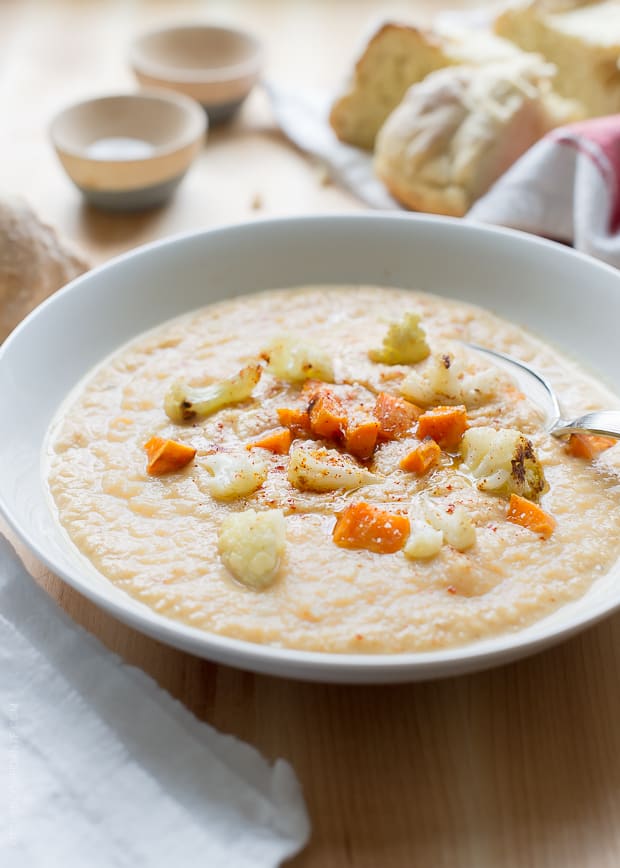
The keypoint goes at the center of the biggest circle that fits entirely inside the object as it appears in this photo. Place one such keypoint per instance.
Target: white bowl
(217, 66)
(127, 152)
(569, 299)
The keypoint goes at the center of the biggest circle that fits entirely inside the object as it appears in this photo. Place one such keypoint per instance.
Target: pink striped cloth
(567, 187)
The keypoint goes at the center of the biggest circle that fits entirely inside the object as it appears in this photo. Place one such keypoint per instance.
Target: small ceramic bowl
(129, 152)
(217, 66)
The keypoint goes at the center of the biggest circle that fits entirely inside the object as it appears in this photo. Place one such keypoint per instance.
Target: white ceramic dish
(569, 299)
(217, 66)
(127, 152)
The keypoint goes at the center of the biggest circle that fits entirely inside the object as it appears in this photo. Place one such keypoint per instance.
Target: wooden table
(519, 766)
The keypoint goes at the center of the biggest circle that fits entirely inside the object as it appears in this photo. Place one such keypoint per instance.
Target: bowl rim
(141, 63)
(197, 128)
(301, 664)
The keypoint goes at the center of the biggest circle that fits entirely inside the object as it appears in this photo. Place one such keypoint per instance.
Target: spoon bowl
(539, 390)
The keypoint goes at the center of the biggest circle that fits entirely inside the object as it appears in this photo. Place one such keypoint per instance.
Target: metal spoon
(534, 385)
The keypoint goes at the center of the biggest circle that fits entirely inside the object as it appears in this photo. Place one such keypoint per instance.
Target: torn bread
(581, 38)
(457, 131)
(396, 57)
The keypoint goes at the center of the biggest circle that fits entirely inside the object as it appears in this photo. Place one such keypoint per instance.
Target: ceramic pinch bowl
(217, 66)
(129, 152)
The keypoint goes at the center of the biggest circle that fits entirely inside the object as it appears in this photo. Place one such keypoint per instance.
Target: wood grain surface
(515, 767)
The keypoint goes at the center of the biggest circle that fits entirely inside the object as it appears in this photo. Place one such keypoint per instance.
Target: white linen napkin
(302, 115)
(566, 187)
(101, 768)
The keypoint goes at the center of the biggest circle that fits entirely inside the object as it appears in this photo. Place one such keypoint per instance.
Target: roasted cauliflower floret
(424, 541)
(446, 380)
(321, 469)
(251, 545)
(433, 524)
(503, 461)
(292, 359)
(404, 344)
(186, 403)
(452, 523)
(233, 475)
(455, 524)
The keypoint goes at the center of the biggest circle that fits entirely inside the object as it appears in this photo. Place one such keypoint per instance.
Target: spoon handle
(600, 422)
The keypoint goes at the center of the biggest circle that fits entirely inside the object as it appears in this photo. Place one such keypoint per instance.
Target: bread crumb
(323, 175)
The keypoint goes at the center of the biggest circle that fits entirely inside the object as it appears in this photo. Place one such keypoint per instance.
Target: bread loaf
(396, 57)
(457, 131)
(34, 263)
(582, 39)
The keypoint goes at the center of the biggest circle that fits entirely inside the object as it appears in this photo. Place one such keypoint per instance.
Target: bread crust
(349, 117)
(429, 201)
(578, 37)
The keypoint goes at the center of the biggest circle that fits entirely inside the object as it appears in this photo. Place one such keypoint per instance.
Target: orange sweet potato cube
(278, 441)
(328, 417)
(166, 456)
(394, 415)
(298, 421)
(588, 445)
(361, 435)
(422, 458)
(527, 514)
(445, 425)
(362, 526)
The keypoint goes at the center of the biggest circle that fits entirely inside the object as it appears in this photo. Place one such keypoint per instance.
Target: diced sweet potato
(328, 417)
(166, 456)
(394, 415)
(527, 514)
(296, 420)
(361, 435)
(278, 441)
(422, 458)
(362, 526)
(445, 425)
(588, 445)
